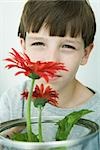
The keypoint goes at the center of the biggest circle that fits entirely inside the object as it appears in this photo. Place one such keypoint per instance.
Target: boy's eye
(38, 44)
(68, 46)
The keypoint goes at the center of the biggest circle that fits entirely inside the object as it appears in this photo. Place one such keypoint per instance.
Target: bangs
(59, 20)
(64, 27)
(60, 27)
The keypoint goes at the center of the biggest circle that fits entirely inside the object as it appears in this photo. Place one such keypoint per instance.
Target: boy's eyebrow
(45, 38)
(35, 38)
(72, 41)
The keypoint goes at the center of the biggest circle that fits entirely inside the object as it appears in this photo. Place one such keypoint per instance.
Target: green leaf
(65, 125)
(24, 137)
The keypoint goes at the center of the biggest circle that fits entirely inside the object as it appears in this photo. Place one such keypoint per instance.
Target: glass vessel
(84, 135)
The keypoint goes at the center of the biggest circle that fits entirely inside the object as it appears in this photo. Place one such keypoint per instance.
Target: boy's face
(70, 51)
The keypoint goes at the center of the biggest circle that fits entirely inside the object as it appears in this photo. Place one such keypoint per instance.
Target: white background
(10, 11)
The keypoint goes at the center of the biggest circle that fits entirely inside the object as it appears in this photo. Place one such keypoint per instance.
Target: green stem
(40, 124)
(28, 114)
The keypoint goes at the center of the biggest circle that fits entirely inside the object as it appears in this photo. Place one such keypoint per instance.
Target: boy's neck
(74, 95)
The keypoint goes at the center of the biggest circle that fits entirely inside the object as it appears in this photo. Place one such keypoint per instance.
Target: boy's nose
(53, 55)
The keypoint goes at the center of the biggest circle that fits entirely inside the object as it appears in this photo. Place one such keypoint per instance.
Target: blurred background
(10, 11)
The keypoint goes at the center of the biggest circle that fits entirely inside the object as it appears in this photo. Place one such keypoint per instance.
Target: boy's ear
(22, 43)
(87, 52)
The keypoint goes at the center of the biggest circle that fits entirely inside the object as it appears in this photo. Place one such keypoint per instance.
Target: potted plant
(32, 133)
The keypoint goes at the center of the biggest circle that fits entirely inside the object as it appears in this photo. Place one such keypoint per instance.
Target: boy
(61, 31)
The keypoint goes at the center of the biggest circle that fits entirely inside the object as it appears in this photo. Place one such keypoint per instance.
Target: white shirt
(12, 106)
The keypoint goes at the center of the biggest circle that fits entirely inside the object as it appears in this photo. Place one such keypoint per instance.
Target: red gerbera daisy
(34, 70)
(42, 95)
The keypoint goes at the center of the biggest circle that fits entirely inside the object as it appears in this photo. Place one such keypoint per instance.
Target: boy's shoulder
(95, 99)
(92, 104)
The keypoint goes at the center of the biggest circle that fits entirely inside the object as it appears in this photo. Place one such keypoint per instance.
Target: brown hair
(62, 17)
